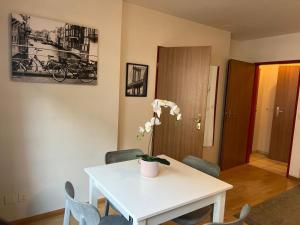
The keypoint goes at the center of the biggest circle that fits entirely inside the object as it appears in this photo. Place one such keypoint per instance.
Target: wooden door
(182, 77)
(237, 113)
(284, 113)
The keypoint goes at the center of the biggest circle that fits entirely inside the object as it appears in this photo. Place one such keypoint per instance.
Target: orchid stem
(150, 144)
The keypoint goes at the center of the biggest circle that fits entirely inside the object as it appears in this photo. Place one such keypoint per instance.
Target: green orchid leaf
(148, 158)
(162, 161)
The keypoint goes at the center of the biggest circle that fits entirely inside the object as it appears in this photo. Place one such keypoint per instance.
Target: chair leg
(106, 208)
(82, 221)
(212, 214)
(67, 215)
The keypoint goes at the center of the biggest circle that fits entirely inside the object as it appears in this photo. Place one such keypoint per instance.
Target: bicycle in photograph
(31, 64)
(80, 69)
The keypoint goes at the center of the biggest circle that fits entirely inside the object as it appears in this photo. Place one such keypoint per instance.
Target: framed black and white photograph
(49, 51)
(136, 80)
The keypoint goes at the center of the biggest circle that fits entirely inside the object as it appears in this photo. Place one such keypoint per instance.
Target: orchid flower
(156, 106)
(179, 116)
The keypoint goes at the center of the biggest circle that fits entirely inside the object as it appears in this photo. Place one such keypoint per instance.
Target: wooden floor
(262, 161)
(252, 185)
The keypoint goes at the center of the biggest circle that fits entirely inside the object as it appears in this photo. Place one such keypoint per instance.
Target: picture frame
(136, 80)
(51, 51)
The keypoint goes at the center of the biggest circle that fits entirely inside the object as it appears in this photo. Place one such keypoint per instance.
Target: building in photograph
(78, 39)
(53, 51)
(20, 32)
(60, 37)
(93, 35)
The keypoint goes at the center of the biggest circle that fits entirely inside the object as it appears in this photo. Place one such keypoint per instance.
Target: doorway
(273, 126)
(269, 111)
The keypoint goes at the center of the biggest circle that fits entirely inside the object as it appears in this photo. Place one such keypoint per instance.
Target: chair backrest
(84, 213)
(202, 165)
(122, 155)
(243, 215)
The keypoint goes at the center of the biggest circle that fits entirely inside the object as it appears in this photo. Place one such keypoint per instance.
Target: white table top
(176, 185)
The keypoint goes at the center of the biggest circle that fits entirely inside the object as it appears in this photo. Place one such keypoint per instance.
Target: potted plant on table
(149, 164)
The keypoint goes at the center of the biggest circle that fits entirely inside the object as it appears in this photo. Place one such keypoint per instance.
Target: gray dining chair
(199, 215)
(86, 214)
(122, 155)
(243, 215)
(119, 156)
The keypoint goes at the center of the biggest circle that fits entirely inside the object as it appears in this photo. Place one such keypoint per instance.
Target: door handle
(198, 121)
(278, 111)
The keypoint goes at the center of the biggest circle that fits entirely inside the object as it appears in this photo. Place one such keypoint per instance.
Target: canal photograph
(49, 51)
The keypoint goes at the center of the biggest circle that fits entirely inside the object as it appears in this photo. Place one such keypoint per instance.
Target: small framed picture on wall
(136, 80)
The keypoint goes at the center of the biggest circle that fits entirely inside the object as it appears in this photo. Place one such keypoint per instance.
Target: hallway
(263, 162)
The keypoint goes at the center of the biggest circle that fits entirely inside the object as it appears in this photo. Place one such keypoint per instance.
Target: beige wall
(50, 132)
(295, 160)
(265, 107)
(277, 48)
(142, 31)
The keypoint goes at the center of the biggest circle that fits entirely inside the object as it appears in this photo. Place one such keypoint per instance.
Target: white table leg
(219, 208)
(92, 194)
(139, 222)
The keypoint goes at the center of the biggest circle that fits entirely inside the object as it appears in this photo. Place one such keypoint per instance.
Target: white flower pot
(149, 169)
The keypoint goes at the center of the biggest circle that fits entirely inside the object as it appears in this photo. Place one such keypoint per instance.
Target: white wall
(142, 31)
(277, 48)
(295, 160)
(50, 132)
(268, 75)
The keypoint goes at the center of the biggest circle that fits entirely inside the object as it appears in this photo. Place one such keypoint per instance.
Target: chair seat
(194, 217)
(114, 220)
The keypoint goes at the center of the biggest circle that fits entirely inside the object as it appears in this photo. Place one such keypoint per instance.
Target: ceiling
(245, 19)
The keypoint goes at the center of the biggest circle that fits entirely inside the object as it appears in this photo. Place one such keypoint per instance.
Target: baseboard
(35, 218)
(294, 178)
(43, 216)
(260, 152)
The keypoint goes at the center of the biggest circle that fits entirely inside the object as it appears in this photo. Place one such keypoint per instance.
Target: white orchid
(179, 116)
(142, 130)
(155, 121)
(174, 110)
(148, 127)
(156, 106)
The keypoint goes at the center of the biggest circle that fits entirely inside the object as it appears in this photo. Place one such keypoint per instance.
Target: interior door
(237, 113)
(284, 113)
(182, 77)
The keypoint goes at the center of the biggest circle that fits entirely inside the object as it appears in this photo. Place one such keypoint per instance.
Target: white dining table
(177, 190)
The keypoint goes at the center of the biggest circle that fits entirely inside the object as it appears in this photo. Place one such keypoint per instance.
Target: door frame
(155, 95)
(254, 105)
